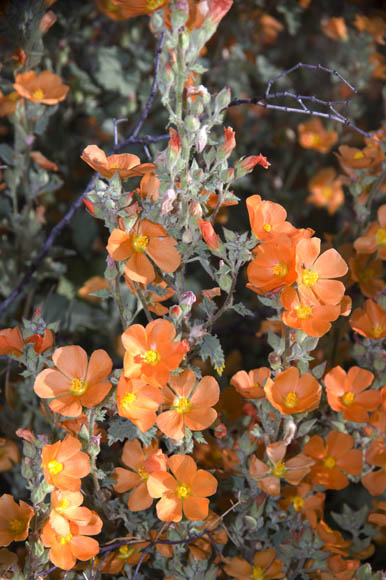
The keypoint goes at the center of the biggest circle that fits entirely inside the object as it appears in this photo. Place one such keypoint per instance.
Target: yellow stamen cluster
(359, 155)
(377, 331)
(16, 526)
(327, 192)
(128, 400)
(280, 270)
(183, 405)
(315, 139)
(65, 539)
(297, 502)
(380, 236)
(64, 504)
(291, 400)
(54, 467)
(151, 357)
(140, 243)
(154, 4)
(348, 399)
(38, 95)
(257, 573)
(329, 462)
(78, 387)
(267, 227)
(183, 490)
(125, 552)
(309, 278)
(142, 473)
(279, 469)
(303, 312)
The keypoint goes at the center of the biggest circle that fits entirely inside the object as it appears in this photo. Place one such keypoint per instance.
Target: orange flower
(332, 458)
(41, 343)
(248, 163)
(314, 272)
(152, 351)
(368, 274)
(375, 237)
(14, 520)
(335, 28)
(265, 565)
(378, 519)
(209, 235)
(374, 25)
(267, 219)
(46, 87)
(149, 186)
(326, 190)
(126, 164)
(42, 161)
(67, 508)
(11, 341)
(138, 401)
(344, 393)
(65, 550)
(93, 285)
(332, 539)
(375, 481)
(129, 555)
(9, 454)
(145, 240)
(190, 404)
(342, 569)
(291, 393)
(142, 462)
(202, 548)
(312, 135)
(306, 313)
(251, 385)
(125, 9)
(310, 505)
(64, 464)
(186, 493)
(273, 267)
(8, 103)
(269, 476)
(229, 141)
(75, 383)
(353, 158)
(370, 322)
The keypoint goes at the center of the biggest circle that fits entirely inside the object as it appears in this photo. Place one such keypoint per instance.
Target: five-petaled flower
(14, 520)
(291, 393)
(64, 464)
(126, 164)
(46, 87)
(75, 382)
(189, 405)
(185, 492)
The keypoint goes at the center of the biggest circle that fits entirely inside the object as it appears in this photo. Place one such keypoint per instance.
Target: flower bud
(229, 141)
(209, 235)
(201, 139)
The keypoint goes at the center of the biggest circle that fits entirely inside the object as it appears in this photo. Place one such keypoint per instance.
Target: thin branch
(150, 98)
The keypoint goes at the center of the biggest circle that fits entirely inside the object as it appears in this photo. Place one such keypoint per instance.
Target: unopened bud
(188, 298)
(201, 139)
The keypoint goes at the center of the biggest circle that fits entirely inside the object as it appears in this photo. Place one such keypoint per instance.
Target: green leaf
(211, 348)
(241, 309)
(115, 72)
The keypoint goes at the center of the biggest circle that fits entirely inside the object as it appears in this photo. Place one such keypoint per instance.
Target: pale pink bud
(167, 201)
(188, 298)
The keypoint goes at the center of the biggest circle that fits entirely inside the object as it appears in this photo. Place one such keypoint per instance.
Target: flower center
(279, 469)
(280, 270)
(267, 227)
(315, 139)
(64, 504)
(16, 526)
(257, 573)
(329, 462)
(377, 331)
(309, 278)
(381, 237)
(125, 552)
(183, 405)
(298, 502)
(327, 192)
(366, 275)
(65, 539)
(38, 95)
(359, 155)
(140, 243)
(303, 312)
(13, 96)
(142, 473)
(54, 467)
(183, 490)
(154, 4)
(151, 357)
(128, 400)
(78, 387)
(348, 399)
(291, 400)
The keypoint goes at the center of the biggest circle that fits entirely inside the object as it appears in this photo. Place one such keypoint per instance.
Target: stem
(143, 301)
(118, 298)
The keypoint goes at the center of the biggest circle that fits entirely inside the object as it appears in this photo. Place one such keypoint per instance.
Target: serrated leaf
(241, 309)
(318, 371)
(305, 427)
(211, 348)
